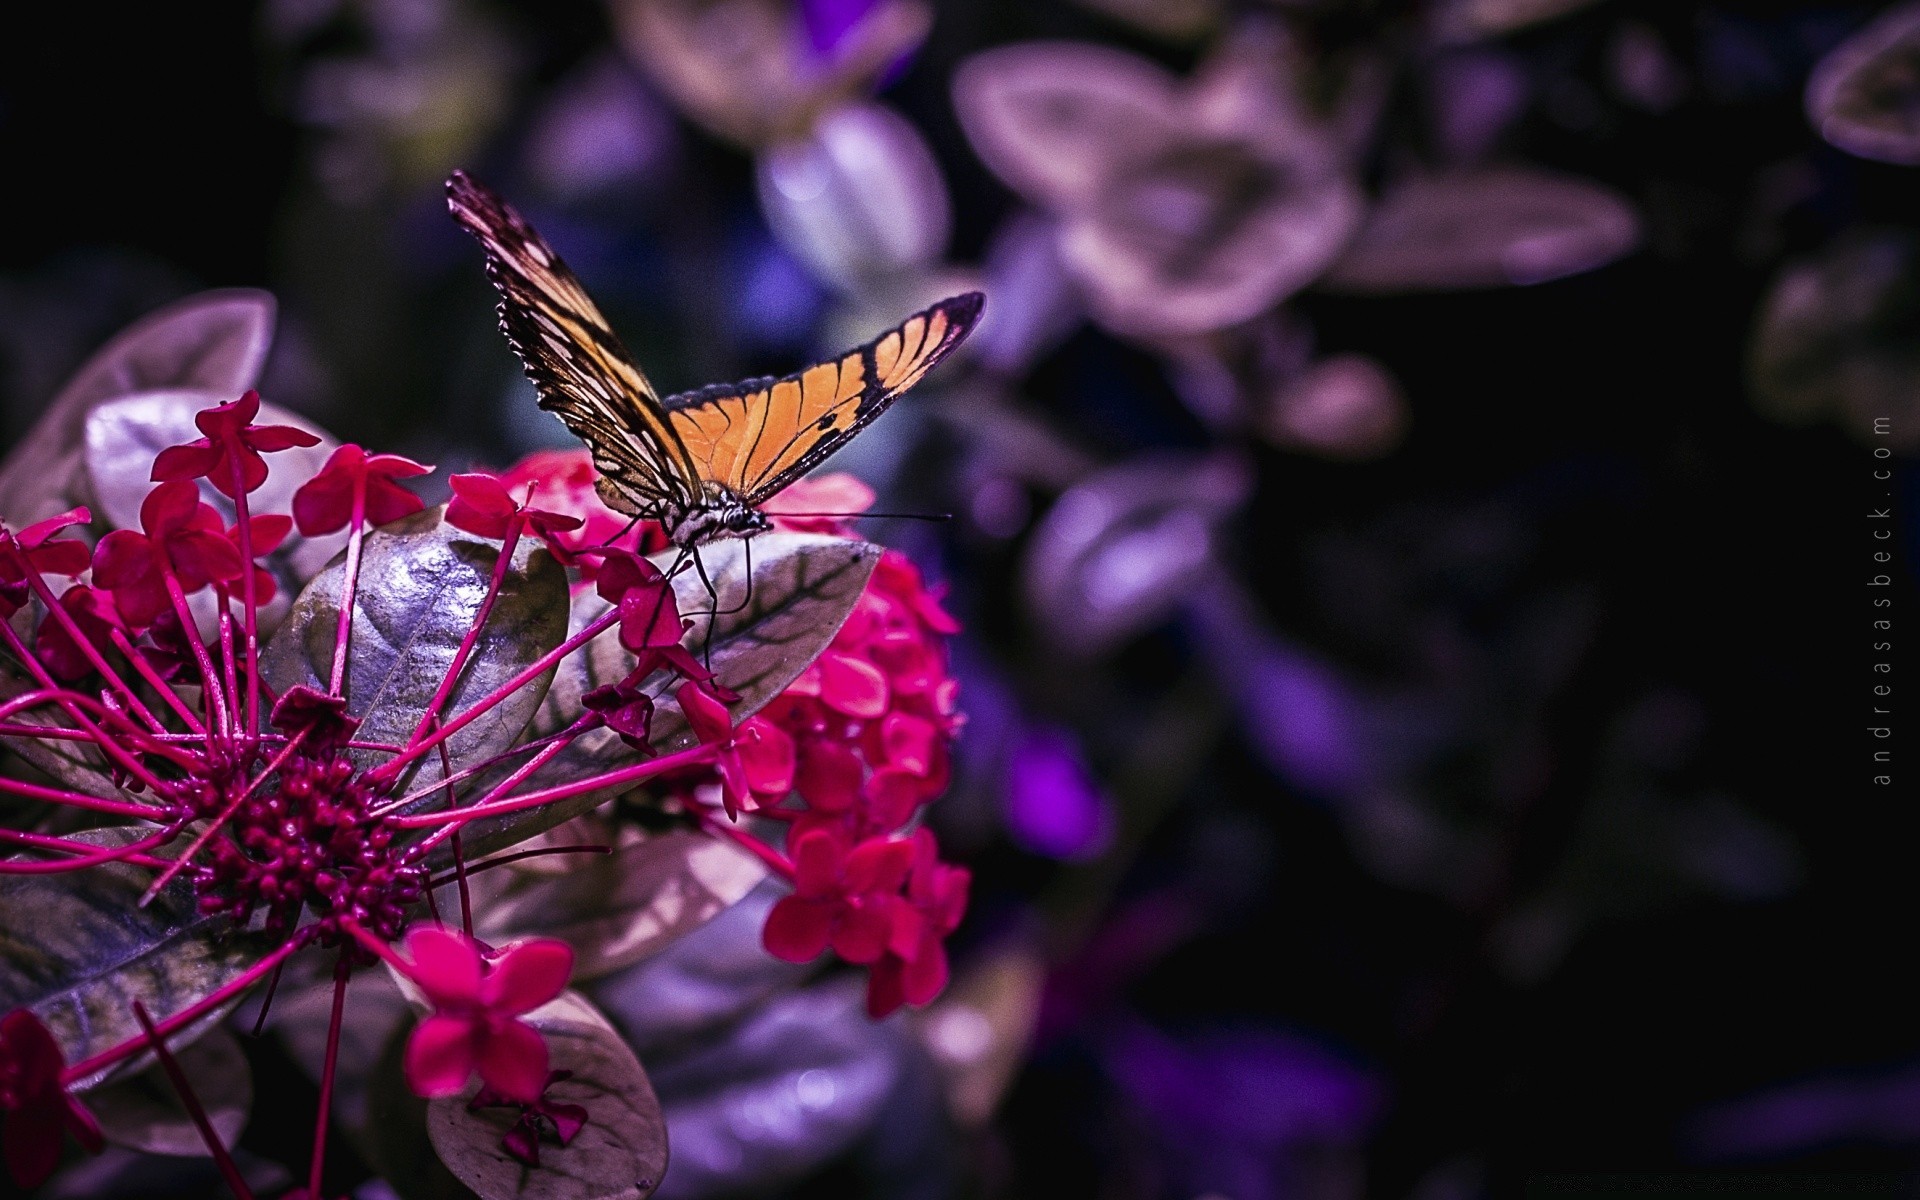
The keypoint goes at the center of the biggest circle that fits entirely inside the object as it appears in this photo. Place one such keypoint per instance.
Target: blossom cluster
(279, 816)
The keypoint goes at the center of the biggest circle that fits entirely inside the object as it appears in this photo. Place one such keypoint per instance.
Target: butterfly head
(719, 512)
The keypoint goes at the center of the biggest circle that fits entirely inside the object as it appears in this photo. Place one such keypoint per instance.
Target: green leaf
(803, 587)
(144, 1112)
(77, 949)
(620, 1154)
(617, 909)
(421, 586)
(214, 341)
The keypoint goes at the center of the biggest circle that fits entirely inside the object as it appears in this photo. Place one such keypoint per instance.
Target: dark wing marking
(759, 435)
(574, 360)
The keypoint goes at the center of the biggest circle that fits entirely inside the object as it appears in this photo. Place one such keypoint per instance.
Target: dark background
(1599, 427)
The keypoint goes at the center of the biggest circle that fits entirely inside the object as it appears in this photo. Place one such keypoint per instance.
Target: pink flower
(93, 613)
(35, 1105)
(625, 709)
(483, 507)
(543, 1117)
(264, 534)
(325, 502)
(649, 614)
(474, 1026)
(563, 481)
(844, 897)
(231, 437)
(34, 549)
(914, 967)
(830, 504)
(182, 536)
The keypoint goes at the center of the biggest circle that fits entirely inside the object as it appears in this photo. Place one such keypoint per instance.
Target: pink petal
(860, 935)
(168, 507)
(445, 965)
(797, 929)
(817, 859)
(710, 719)
(188, 461)
(388, 502)
(513, 1061)
(267, 532)
(926, 976)
(271, 438)
(440, 1056)
(879, 865)
(852, 685)
(767, 755)
(31, 1144)
(526, 976)
(122, 557)
(827, 775)
(909, 742)
(325, 502)
(884, 989)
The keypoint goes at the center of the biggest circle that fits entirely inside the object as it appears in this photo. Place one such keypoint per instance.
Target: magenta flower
(564, 481)
(483, 507)
(914, 967)
(94, 616)
(543, 1117)
(325, 503)
(474, 1026)
(231, 439)
(35, 550)
(182, 537)
(649, 615)
(34, 1103)
(847, 897)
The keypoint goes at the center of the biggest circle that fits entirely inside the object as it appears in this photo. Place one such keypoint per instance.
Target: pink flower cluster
(867, 730)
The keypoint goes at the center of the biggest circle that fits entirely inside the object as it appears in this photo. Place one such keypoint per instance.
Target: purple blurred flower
(1053, 806)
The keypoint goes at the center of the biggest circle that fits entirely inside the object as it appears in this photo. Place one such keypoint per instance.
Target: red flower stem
(474, 628)
(775, 861)
(70, 702)
(349, 587)
(517, 856)
(341, 971)
(459, 857)
(193, 1012)
(213, 827)
(393, 766)
(119, 808)
(506, 786)
(225, 621)
(692, 756)
(380, 949)
(89, 855)
(247, 599)
(85, 644)
(191, 1102)
(567, 734)
(158, 684)
(218, 715)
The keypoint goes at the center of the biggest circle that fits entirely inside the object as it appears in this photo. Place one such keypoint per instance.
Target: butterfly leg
(713, 612)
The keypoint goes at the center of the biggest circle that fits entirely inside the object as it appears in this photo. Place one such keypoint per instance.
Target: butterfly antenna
(887, 516)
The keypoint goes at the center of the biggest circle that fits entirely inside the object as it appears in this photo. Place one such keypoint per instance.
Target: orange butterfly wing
(759, 435)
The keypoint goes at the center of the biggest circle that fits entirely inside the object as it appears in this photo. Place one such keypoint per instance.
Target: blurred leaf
(145, 1112)
(124, 436)
(78, 949)
(421, 586)
(1497, 227)
(861, 198)
(617, 909)
(1187, 207)
(1471, 20)
(1346, 407)
(1117, 553)
(793, 1085)
(214, 341)
(1864, 96)
(1838, 335)
(620, 1154)
(699, 51)
(803, 587)
(1176, 20)
(979, 1031)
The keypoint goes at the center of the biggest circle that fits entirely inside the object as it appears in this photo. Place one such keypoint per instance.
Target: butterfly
(700, 463)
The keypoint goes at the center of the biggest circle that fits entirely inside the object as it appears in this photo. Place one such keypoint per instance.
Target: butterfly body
(700, 463)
